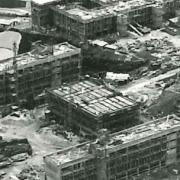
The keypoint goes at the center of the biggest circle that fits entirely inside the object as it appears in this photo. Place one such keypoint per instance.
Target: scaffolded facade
(120, 156)
(78, 20)
(88, 107)
(26, 76)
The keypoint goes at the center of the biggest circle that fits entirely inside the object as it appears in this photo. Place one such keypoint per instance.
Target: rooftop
(44, 2)
(71, 154)
(81, 13)
(145, 130)
(123, 137)
(95, 99)
(62, 49)
(78, 12)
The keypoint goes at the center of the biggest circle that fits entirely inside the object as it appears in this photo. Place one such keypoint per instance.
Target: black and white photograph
(89, 89)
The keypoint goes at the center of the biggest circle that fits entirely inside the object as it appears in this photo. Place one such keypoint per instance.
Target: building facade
(26, 76)
(77, 20)
(87, 107)
(120, 156)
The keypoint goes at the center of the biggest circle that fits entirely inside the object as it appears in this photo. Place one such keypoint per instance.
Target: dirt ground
(42, 140)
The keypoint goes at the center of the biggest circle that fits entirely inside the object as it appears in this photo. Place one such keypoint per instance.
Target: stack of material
(10, 148)
(117, 78)
(112, 57)
(30, 173)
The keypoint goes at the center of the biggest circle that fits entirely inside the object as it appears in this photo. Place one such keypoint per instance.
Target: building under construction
(120, 156)
(26, 76)
(99, 54)
(80, 20)
(87, 107)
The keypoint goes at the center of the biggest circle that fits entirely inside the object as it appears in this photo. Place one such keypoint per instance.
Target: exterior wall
(106, 59)
(143, 156)
(34, 79)
(84, 170)
(79, 31)
(41, 16)
(84, 121)
(129, 160)
(157, 16)
(79, 120)
(53, 172)
(169, 9)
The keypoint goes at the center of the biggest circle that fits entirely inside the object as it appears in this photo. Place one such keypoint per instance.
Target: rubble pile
(168, 102)
(113, 57)
(161, 54)
(13, 150)
(30, 173)
(156, 53)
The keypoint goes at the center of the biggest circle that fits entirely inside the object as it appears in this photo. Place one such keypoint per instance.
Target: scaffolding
(34, 72)
(93, 107)
(78, 21)
(123, 156)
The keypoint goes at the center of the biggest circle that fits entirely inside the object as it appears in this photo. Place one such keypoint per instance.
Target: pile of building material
(30, 173)
(13, 150)
(117, 78)
(168, 102)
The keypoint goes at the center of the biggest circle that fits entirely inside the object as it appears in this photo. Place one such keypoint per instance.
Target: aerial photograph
(89, 89)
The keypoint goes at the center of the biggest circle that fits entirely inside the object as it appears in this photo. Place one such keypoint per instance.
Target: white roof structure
(43, 2)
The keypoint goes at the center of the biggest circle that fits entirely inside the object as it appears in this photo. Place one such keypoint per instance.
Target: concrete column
(102, 165)
(122, 25)
(157, 16)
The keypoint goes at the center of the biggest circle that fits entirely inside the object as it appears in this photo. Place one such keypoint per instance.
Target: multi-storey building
(77, 20)
(27, 75)
(87, 107)
(120, 156)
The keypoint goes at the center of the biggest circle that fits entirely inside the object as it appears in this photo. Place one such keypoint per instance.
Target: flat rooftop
(13, 12)
(78, 12)
(81, 13)
(94, 99)
(44, 2)
(71, 154)
(62, 49)
(121, 138)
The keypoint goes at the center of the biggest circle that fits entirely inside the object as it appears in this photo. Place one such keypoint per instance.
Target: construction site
(78, 21)
(87, 107)
(121, 156)
(24, 78)
(90, 90)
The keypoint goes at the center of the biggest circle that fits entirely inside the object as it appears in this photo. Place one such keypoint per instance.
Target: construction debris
(117, 78)
(13, 150)
(30, 173)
